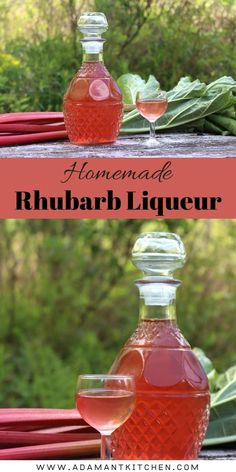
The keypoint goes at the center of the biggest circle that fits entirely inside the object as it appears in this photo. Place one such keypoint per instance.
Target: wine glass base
(151, 142)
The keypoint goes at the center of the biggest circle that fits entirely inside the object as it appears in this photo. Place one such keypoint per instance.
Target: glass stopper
(158, 254)
(92, 24)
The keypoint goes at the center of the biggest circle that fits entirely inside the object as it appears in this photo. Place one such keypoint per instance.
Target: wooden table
(171, 145)
(228, 452)
(219, 453)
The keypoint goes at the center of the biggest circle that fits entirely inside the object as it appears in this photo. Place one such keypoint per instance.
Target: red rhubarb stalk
(51, 451)
(39, 417)
(45, 427)
(6, 128)
(12, 140)
(39, 412)
(30, 411)
(31, 116)
(19, 438)
(67, 429)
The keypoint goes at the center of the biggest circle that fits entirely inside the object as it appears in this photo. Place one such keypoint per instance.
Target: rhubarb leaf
(189, 103)
(131, 84)
(204, 360)
(180, 113)
(227, 377)
(222, 425)
(207, 366)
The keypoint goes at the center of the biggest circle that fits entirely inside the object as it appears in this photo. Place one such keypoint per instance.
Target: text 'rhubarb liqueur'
(93, 102)
(172, 394)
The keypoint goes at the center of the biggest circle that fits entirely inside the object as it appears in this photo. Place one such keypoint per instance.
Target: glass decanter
(93, 102)
(172, 407)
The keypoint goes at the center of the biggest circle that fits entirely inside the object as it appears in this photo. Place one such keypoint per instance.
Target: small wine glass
(105, 402)
(151, 105)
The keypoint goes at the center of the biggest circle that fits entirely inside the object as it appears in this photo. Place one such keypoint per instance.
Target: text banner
(117, 188)
(118, 466)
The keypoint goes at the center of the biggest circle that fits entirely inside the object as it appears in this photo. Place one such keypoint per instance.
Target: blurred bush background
(68, 300)
(40, 49)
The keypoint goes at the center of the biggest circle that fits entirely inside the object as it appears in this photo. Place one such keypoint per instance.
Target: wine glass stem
(152, 130)
(105, 447)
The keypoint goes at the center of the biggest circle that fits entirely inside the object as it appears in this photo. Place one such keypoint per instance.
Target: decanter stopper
(92, 24)
(158, 254)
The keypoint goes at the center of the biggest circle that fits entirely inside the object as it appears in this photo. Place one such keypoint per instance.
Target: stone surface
(170, 145)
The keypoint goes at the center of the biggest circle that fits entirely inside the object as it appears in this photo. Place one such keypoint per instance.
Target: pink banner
(124, 188)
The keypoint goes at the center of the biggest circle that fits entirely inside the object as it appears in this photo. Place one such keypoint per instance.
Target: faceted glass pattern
(163, 428)
(93, 106)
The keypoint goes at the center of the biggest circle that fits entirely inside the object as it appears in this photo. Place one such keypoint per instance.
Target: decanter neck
(157, 298)
(92, 50)
(92, 25)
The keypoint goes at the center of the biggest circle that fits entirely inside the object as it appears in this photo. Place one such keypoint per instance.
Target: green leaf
(131, 84)
(212, 379)
(223, 83)
(204, 360)
(228, 392)
(152, 85)
(222, 425)
(227, 377)
(187, 89)
(207, 366)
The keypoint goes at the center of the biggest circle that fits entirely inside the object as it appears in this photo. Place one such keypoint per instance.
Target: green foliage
(68, 300)
(38, 76)
(10, 75)
(40, 49)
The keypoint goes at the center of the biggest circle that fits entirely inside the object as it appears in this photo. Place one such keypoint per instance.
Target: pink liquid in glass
(152, 109)
(105, 409)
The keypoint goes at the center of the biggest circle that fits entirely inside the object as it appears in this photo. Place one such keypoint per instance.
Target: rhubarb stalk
(53, 451)
(19, 438)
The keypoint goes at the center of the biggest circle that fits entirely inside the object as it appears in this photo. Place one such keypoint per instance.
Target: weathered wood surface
(219, 453)
(170, 145)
